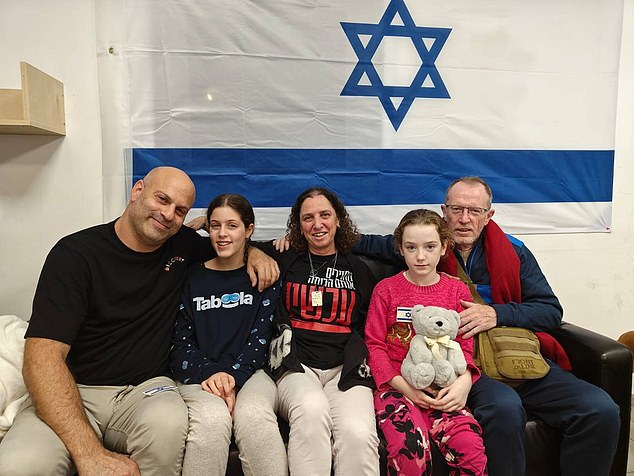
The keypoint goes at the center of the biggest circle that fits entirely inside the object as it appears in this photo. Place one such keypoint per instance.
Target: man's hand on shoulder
(476, 318)
(263, 270)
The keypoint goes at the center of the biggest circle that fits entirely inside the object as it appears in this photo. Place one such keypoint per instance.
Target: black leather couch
(595, 358)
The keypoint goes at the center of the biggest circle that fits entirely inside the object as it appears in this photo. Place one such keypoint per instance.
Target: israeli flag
(383, 101)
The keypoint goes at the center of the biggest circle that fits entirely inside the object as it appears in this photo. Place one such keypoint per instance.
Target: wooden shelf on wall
(37, 108)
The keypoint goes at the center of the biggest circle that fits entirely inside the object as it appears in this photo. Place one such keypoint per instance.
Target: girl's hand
(453, 397)
(220, 384)
(418, 397)
(230, 400)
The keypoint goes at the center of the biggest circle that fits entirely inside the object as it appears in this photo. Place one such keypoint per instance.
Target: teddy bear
(433, 356)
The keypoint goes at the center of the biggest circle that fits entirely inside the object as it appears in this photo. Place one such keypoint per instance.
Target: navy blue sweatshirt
(223, 325)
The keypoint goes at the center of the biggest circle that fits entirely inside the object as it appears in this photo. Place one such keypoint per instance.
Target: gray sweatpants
(262, 451)
(257, 435)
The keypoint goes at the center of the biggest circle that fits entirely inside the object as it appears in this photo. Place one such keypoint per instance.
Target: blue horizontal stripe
(274, 177)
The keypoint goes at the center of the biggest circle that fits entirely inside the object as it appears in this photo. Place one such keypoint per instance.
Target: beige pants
(328, 424)
(151, 429)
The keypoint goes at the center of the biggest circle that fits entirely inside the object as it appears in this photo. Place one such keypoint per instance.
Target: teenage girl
(408, 417)
(221, 337)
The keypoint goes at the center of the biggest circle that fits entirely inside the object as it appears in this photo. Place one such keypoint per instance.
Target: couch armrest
(605, 363)
(598, 359)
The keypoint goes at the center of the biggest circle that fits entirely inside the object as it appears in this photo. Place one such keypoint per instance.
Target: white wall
(593, 274)
(50, 187)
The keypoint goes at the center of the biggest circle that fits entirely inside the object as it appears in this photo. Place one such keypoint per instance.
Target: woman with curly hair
(319, 359)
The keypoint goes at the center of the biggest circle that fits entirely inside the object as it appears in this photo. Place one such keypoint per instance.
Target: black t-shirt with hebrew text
(321, 331)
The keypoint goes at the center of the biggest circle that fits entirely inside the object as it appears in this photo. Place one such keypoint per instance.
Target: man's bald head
(158, 205)
(174, 176)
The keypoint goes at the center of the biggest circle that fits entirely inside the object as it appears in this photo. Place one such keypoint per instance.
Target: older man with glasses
(514, 292)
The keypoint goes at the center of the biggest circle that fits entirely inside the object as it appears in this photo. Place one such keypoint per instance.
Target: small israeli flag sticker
(403, 314)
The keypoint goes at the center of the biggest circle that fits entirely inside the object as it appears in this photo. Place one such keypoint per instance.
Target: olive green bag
(509, 354)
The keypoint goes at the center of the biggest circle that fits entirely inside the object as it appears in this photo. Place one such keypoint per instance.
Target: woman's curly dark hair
(346, 235)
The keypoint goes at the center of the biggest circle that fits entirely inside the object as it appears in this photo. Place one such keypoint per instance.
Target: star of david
(427, 73)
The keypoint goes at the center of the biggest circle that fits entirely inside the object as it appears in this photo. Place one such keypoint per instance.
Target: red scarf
(504, 274)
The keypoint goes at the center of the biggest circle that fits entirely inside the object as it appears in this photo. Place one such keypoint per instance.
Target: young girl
(221, 337)
(410, 417)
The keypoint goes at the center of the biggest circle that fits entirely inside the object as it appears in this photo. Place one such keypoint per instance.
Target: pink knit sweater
(388, 340)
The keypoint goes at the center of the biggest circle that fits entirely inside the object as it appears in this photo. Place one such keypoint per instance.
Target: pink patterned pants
(409, 430)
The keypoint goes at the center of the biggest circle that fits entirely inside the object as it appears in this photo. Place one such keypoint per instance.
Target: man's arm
(58, 403)
(379, 246)
(262, 269)
(198, 223)
(540, 309)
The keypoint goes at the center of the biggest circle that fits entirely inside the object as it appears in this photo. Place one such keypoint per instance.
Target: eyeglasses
(474, 212)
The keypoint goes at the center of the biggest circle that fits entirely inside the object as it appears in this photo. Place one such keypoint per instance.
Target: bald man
(96, 352)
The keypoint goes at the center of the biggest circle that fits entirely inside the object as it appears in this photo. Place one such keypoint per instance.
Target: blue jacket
(539, 310)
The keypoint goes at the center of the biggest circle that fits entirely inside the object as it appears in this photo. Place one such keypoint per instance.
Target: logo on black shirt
(172, 261)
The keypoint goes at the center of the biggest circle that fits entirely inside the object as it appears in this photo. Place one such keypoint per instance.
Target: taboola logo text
(226, 300)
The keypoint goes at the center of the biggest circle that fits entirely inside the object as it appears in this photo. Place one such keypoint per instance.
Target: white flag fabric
(384, 102)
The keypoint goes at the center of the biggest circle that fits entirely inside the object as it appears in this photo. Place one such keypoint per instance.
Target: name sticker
(316, 298)
(155, 390)
(403, 314)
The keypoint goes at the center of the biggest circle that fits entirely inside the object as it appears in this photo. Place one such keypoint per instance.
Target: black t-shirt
(321, 329)
(115, 307)
(333, 334)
